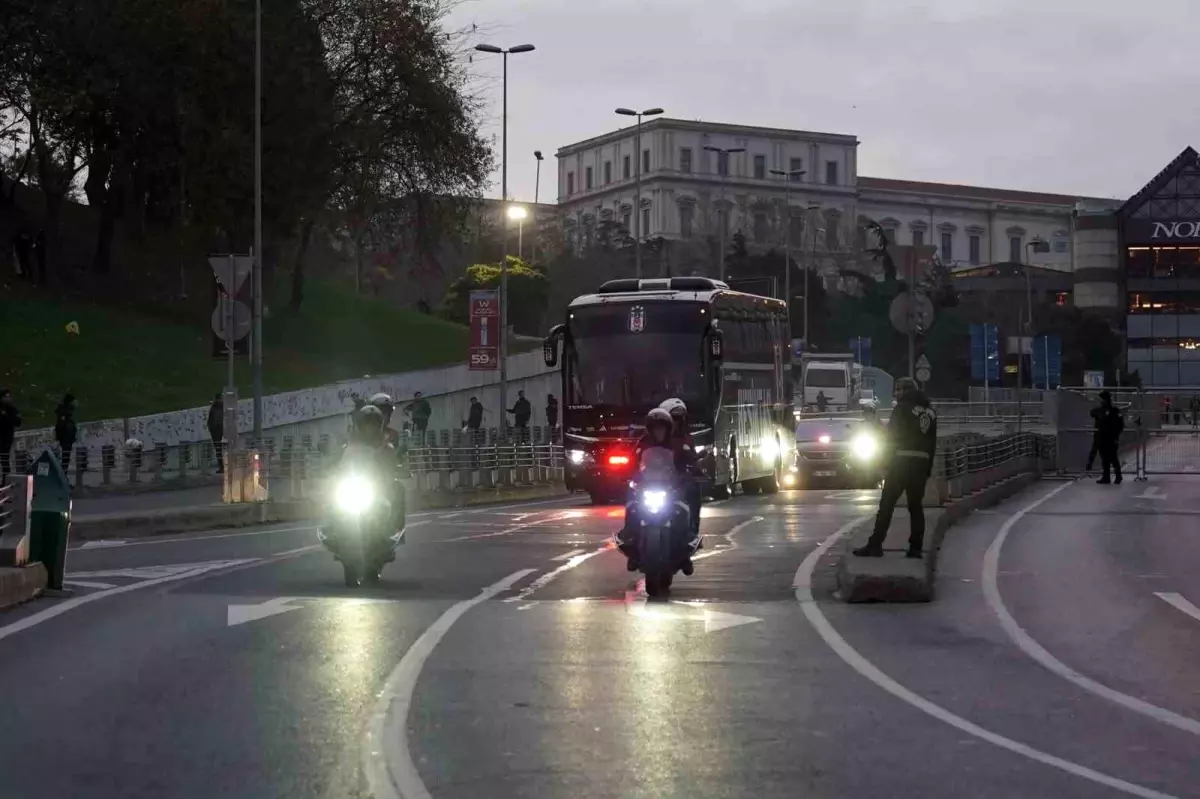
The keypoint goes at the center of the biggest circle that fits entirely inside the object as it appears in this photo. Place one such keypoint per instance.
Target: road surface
(509, 654)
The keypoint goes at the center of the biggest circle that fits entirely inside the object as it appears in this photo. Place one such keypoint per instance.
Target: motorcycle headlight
(864, 446)
(353, 494)
(654, 500)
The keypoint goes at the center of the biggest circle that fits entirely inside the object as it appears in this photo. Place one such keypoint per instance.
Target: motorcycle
(363, 527)
(663, 534)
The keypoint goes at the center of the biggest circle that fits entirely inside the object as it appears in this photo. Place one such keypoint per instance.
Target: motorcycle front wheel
(350, 574)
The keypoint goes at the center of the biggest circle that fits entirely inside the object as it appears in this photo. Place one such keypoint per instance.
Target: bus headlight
(864, 446)
(353, 494)
(768, 450)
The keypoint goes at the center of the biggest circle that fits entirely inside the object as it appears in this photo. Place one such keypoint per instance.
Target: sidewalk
(204, 496)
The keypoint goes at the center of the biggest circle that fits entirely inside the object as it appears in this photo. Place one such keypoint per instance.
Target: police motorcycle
(365, 516)
(662, 531)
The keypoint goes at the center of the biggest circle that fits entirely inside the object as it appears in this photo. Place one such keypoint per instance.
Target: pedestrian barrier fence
(965, 464)
(16, 492)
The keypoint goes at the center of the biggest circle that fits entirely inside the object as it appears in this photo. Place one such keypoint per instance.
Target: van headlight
(353, 494)
(865, 446)
(654, 500)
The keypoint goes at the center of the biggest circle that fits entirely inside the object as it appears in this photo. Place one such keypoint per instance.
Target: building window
(645, 222)
(687, 215)
(625, 168)
(722, 163)
(918, 238)
(587, 178)
(795, 165)
(626, 218)
(1014, 249)
(685, 159)
(1061, 245)
(947, 247)
(831, 232)
(760, 167)
(831, 176)
(607, 172)
(796, 229)
(570, 183)
(973, 249)
(890, 233)
(645, 161)
(762, 229)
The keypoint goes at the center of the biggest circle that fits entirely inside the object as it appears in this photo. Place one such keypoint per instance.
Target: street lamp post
(637, 196)
(788, 175)
(1039, 246)
(256, 350)
(517, 213)
(491, 48)
(537, 175)
(807, 269)
(726, 152)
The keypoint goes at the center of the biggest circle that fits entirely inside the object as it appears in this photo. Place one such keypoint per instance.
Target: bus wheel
(769, 485)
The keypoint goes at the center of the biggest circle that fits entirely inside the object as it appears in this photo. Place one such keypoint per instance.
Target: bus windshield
(609, 364)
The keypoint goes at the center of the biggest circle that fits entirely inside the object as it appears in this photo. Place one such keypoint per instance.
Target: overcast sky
(1089, 97)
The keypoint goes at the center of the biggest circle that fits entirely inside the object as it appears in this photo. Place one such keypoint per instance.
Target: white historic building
(689, 192)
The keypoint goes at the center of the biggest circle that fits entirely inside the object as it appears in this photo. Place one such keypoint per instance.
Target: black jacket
(475, 416)
(912, 430)
(685, 456)
(552, 413)
(10, 420)
(216, 421)
(65, 430)
(521, 411)
(1109, 424)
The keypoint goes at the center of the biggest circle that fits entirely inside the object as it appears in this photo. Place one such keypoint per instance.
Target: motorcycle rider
(385, 405)
(680, 431)
(659, 433)
(369, 445)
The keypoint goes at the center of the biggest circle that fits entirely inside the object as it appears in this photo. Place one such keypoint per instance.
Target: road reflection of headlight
(353, 494)
(789, 479)
(864, 446)
(575, 456)
(654, 500)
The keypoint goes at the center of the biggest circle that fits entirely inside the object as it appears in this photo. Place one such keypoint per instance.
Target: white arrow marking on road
(240, 614)
(102, 544)
(89, 584)
(568, 555)
(158, 572)
(1178, 602)
(1152, 492)
(714, 620)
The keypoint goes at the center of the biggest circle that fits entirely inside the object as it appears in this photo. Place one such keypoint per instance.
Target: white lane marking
(551, 576)
(240, 614)
(89, 584)
(104, 544)
(568, 555)
(295, 551)
(160, 570)
(1026, 643)
(387, 761)
(1151, 492)
(729, 537)
(1178, 602)
(190, 538)
(493, 508)
(70, 604)
(851, 657)
(516, 528)
(636, 605)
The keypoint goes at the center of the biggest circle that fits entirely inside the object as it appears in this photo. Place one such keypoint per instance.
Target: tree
(527, 296)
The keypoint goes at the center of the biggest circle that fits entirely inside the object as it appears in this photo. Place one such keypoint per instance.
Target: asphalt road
(509, 654)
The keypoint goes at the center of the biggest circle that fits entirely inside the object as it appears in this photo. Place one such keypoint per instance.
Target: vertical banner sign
(1046, 350)
(484, 351)
(985, 353)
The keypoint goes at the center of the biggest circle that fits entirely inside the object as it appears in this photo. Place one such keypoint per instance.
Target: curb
(21, 584)
(895, 578)
(92, 527)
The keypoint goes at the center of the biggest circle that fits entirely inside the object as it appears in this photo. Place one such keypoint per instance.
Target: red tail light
(618, 460)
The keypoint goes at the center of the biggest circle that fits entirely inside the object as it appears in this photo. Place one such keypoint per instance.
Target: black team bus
(635, 343)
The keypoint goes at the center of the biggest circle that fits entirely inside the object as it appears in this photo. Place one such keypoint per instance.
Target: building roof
(706, 127)
(1178, 163)
(977, 192)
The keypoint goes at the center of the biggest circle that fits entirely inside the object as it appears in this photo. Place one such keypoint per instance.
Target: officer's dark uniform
(1109, 426)
(912, 442)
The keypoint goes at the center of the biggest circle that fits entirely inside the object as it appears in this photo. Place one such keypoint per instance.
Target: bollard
(50, 518)
(21, 461)
(158, 461)
(80, 464)
(108, 462)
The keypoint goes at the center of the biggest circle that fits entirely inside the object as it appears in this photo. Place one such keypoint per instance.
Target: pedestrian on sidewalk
(216, 430)
(420, 412)
(1109, 426)
(911, 445)
(521, 411)
(65, 430)
(551, 413)
(475, 420)
(10, 420)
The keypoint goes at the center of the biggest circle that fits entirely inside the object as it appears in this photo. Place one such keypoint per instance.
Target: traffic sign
(923, 362)
(241, 319)
(911, 312)
(924, 369)
(923, 375)
(231, 271)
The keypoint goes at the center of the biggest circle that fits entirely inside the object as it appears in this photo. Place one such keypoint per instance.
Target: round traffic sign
(241, 319)
(923, 375)
(909, 311)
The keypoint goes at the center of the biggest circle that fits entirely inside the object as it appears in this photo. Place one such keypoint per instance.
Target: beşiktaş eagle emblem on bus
(637, 319)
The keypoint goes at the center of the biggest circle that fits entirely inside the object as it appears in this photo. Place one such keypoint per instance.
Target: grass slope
(128, 364)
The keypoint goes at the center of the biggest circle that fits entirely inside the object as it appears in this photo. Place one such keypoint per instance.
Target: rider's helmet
(369, 423)
(384, 403)
(675, 407)
(658, 418)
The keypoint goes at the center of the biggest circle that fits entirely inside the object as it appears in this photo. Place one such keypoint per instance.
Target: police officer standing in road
(1109, 426)
(912, 442)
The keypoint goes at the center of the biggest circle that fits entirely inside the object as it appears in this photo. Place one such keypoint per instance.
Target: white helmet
(380, 399)
(674, 407)
(658, 416)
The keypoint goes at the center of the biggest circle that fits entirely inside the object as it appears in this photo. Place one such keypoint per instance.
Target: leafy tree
(527, 296)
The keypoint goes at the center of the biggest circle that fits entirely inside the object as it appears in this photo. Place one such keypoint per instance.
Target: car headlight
(864, 446)
(654, 500)
(699, 449)
(353, 494)
(575, 456)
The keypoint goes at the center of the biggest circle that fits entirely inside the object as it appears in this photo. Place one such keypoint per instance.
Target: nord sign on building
(1175, 230)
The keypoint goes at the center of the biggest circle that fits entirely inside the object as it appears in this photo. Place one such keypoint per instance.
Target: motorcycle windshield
(657, 466)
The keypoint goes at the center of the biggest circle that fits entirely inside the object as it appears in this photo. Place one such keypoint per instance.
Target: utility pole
(256, 355)
(637, 192)
(723, 153)
(788, 176)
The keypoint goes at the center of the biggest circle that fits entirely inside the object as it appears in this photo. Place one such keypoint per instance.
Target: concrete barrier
(21, 583)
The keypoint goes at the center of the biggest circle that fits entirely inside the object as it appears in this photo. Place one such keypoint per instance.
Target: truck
(833, 374)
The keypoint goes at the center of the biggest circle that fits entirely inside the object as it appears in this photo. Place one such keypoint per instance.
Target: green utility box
(50, 517)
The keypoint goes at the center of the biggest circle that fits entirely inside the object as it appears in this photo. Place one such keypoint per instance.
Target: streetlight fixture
(537, 176)
(637, 196)
(518, 214)
(788, 175)
(724, 151)
(491, 48)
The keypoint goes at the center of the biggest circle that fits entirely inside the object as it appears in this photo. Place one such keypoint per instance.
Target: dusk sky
(1089, 97)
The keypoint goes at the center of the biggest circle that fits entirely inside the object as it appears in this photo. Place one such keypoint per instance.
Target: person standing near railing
(10, 420)
(911, 444)
(1109, 426)
(65, 429)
